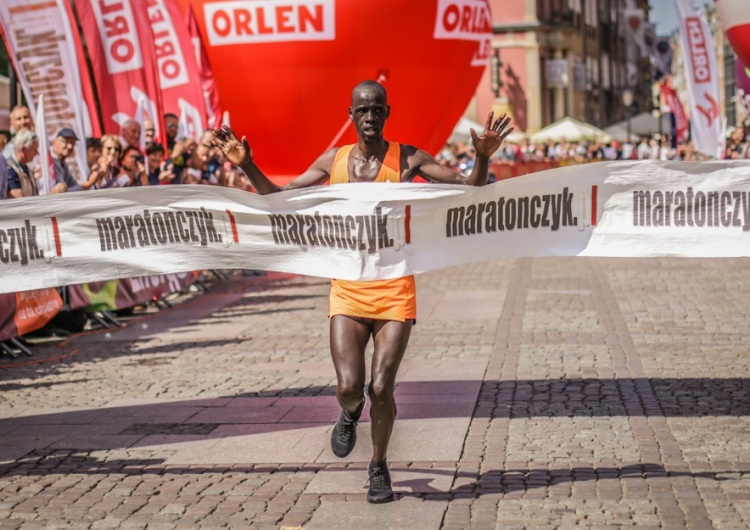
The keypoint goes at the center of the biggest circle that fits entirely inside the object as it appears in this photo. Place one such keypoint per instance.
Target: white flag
(43, 139)
(702, 74)
(39, 38)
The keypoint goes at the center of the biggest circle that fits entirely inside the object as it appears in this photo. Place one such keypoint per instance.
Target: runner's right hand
(235, 150)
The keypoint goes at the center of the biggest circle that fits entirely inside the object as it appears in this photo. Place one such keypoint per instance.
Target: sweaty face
(369, 111)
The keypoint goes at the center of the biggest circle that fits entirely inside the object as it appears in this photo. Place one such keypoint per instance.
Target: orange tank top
(394, 299)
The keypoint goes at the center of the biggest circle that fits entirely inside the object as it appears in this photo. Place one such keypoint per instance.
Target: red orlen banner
(214, 110)
(287, 67)
(118, 37)
(176, 64)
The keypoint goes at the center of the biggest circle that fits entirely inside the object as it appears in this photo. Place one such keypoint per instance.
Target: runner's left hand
(493, 135)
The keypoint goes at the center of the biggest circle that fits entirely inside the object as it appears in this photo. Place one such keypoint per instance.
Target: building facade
(562, 58)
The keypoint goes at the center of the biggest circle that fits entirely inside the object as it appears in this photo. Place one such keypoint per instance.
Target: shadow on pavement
(46, 462)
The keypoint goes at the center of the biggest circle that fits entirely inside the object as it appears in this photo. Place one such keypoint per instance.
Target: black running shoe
(344, 433)
(380, 484)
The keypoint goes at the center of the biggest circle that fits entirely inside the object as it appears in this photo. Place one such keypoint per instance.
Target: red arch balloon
(735, 17)
(285, 69)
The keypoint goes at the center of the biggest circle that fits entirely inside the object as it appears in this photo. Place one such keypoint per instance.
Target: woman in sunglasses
(110, 161)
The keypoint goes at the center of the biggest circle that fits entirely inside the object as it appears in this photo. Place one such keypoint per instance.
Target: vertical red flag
(92, 119)
(118, 37)
(675, 107)
(208, 82)
(176, 64)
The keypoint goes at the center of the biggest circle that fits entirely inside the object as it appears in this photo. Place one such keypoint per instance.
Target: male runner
(384, 310)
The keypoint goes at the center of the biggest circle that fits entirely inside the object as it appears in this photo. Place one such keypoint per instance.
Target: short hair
(110, 138)
(93, 142)
(23, 138)
(126, 150)
(155, 147)
(130, 123)
(18, 107)
(171, 115)
(370, 85)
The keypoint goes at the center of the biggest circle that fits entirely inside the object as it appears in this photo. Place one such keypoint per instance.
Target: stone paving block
(406, 513)
(60, 430)
(167, 442)
(252, 402)
(412, 440)
(14, 447)
(471, 305)
(236, 415)
(152, 413)
(51, 416)
(405, 480)
(95, 442)
(289, 445)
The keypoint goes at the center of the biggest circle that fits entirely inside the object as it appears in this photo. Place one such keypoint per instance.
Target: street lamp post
(627, 100)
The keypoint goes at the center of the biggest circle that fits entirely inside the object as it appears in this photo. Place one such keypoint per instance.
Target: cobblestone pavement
(536, 393)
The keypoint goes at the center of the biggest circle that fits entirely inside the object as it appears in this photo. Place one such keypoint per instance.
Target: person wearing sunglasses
(110, 160)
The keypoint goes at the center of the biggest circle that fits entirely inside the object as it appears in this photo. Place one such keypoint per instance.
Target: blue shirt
(14, 180)
(3, 177)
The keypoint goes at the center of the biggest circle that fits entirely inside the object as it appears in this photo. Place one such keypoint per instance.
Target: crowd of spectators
(119, 161)
(113, 160)
(460, 155)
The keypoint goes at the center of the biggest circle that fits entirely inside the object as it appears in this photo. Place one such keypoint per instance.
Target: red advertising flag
(42, 45)
(675, 107)
(176, 64)
(92, 119)
(208, 83)
(118, 37)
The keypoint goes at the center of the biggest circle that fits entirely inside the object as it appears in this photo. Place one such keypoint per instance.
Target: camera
(139, 159)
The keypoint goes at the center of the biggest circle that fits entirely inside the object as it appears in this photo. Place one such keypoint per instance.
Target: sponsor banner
(24, 312)
(256, 21)
(702, 73)
(123, 59)
(466, 20)
(44, 49)
(682, 125)
(127, 292)
(176, 65)
(208, 82)
(35, 308)
(375, 231)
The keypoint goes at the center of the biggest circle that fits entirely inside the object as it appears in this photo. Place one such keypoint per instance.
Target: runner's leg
(391, 338)
(348, 341)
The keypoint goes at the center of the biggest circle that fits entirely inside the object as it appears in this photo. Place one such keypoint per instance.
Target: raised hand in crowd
(142, 175)
(166, 172)
(98, 171)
